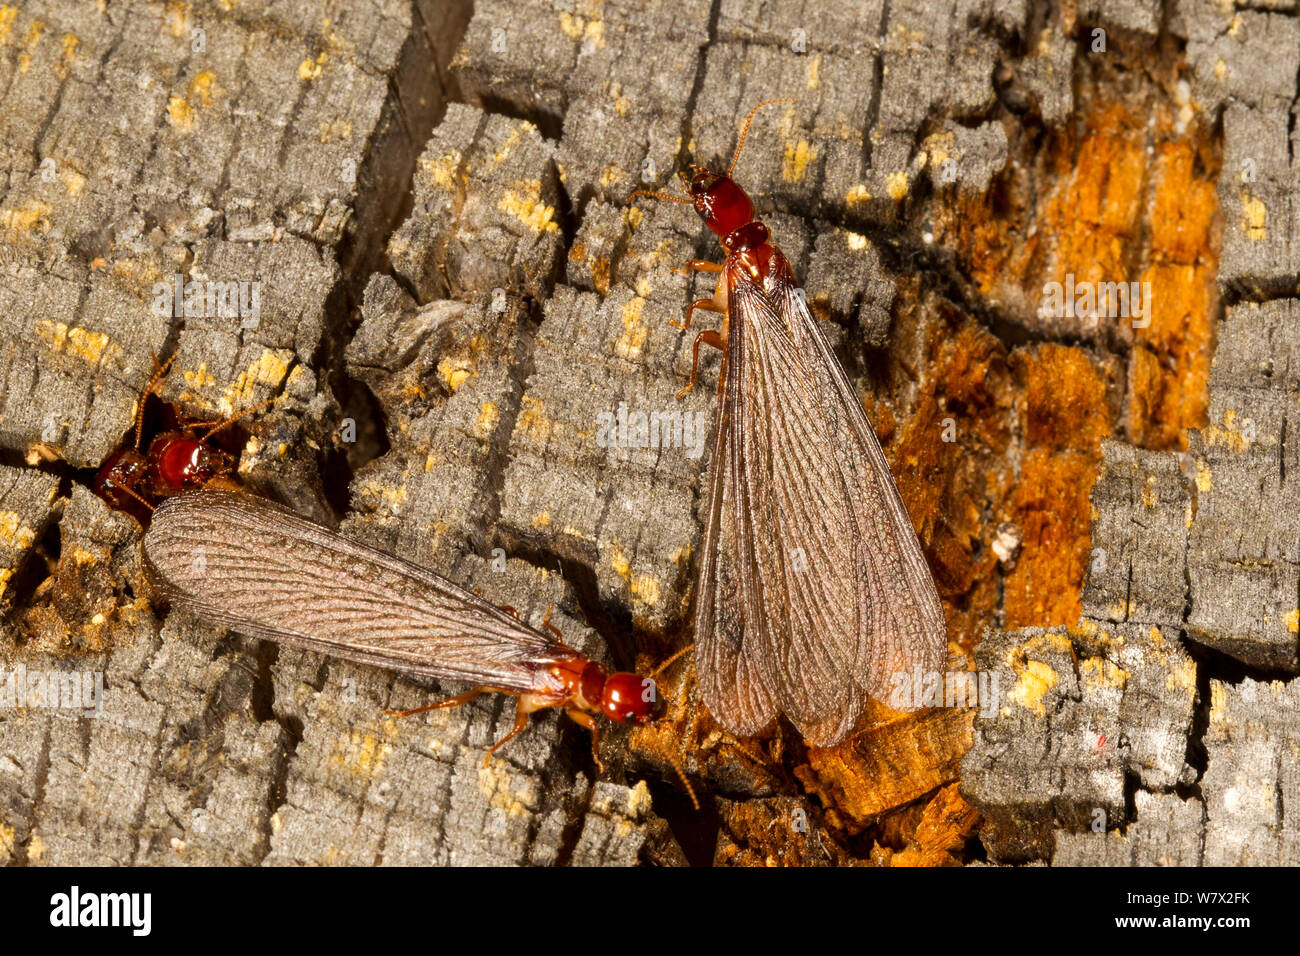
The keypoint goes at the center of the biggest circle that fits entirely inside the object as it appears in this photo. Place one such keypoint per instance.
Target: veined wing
(814, 592)
(250, 565)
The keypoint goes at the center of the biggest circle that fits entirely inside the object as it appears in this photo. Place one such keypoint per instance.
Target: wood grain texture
(384, 176)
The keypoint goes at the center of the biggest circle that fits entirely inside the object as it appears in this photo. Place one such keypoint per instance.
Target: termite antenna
(234, 418)
(744, 130)
(118, 486)
(666, 664)
(160, 369)
(681, 775)
(668, 197)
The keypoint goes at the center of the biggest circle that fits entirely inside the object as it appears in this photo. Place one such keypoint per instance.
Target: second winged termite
(241, 562)
(813, 593)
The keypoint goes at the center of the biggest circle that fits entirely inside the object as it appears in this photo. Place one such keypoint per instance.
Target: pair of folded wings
(813, 590)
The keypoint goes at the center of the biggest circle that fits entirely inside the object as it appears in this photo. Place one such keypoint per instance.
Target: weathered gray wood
(277, 154)
(1244, 546)
(283, 152)
(27, 507)
(1081, 711)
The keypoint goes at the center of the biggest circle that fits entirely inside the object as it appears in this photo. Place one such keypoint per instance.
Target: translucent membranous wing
(813, 591)
(252, 566)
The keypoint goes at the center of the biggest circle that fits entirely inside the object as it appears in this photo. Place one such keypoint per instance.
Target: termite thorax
(620, 696)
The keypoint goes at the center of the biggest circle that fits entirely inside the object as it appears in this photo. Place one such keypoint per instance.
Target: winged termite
(241, 562)
(182, 457)
(813, 593)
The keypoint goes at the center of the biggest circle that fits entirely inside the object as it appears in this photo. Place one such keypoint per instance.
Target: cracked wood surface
(453, 291)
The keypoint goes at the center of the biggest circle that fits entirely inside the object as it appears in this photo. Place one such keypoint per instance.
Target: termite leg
(456, 701)
(521, 721)
(708, 305)
(698, 265)
(509, 610)
(546, 622)
(584, 719)
(711, 337)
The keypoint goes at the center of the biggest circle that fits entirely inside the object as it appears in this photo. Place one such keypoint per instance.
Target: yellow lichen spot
(455, 372)
(620, 565)
(1099, 672)
(6, 842)
(1230, 436)
(268, 369)
(199, 377)
(488, 417)
(1183, 677)
(443, 169)
(524, 203)
(310, 69)
(644, 589)
(1218, 702)
(857, 195)
(632, 340)
(1035, 680)
(638, 801)
(643, 287)
(856, 241)
(180, 114)
(897, 186)
(24, 218)
(1203, 482)
(34, 34)
(542, 520)
(89, 346)
(572, 26)
(815, 72)
(202, 88)
(13, 532)
(1293, 621)
(363, 754)
(612, 176)
(578, 28)
(797, 157)
(1149, 491)
(178, 17)
(1220, 70)
(633, 215)
(1084, 628)
(69, 54)
(1254, 218)
(533, 419)
(75, 184)
(7, 15)
(35, 848)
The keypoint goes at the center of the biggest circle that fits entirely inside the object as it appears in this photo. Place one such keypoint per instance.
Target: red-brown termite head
(180, 462)
(722, 204)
